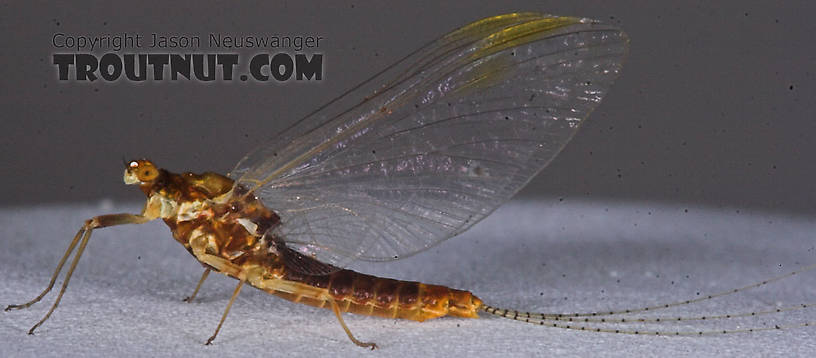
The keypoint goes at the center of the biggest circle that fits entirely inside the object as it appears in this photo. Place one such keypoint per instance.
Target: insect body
(225, 230)
(450, 133)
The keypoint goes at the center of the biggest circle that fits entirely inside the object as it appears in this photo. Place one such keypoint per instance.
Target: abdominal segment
(369, 295)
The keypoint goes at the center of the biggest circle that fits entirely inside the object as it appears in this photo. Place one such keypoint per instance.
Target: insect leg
(224, 316)
(336, 310)
(85, 234)
(54, 277)
(200, 281)
(74, 263)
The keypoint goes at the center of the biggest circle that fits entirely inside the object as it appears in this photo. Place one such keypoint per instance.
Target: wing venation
(461, 125)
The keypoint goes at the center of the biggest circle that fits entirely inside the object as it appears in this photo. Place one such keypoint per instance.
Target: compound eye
(147, 174)
(144, 170)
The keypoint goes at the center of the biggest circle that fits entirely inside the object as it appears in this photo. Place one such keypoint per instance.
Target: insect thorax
(208, 216)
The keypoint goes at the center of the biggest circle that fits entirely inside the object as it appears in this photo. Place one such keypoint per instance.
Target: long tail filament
(568, 320)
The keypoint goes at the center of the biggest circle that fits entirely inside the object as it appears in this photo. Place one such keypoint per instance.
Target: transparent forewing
(459, 127)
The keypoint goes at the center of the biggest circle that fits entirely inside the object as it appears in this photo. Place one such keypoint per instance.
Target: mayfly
(415, 155)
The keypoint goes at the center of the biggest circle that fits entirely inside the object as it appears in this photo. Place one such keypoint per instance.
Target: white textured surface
(125, 297)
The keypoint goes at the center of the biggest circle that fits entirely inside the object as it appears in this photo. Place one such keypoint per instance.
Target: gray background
(125, 298)
(691, 177)
(714, 104)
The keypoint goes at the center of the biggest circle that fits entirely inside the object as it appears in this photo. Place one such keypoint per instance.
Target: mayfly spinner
(417, 154)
